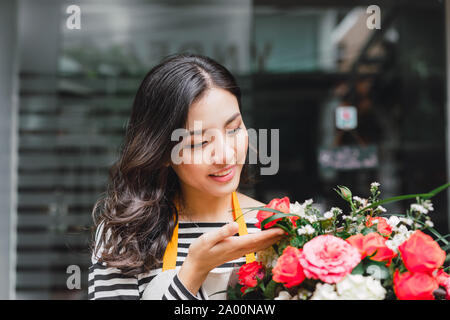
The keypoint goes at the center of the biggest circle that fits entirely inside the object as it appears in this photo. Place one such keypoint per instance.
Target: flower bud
(345, 193)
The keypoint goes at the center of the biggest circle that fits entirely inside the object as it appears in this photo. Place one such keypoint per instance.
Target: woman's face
(212, 161)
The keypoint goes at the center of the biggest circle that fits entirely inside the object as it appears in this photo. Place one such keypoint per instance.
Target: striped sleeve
(110, 284)
(107, 283)
(177, 291)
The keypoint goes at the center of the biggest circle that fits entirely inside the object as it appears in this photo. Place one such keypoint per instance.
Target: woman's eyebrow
(234, 116)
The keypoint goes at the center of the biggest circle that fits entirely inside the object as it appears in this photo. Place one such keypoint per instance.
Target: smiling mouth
(223, 172)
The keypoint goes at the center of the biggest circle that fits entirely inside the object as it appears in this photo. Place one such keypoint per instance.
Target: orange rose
(288, 269)
(277, 204)
(358, 242)
(382, 226)
(420, 253)
(414, 286)
(372, 244)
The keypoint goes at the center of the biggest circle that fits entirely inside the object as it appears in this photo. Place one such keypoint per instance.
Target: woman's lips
(225, 177)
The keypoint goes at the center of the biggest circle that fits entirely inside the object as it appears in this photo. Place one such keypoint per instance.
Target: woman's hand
(217, 247)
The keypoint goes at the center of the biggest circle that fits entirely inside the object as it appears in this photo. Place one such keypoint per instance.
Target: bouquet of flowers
(363, 255)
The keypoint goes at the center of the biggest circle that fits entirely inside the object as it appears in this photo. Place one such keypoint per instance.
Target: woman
(167, 222)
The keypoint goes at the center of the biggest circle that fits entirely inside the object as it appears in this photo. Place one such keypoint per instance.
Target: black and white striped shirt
(107, 283)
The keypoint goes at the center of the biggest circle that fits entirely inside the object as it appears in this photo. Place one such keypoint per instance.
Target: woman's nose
(223, 152)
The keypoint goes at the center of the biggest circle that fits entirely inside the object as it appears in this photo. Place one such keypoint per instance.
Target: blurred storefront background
(66, 94)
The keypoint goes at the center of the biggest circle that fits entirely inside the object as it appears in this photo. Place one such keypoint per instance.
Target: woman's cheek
(190, 174)
(242, 146)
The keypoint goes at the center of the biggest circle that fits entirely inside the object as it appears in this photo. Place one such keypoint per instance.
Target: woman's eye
(192, 146)
(234, 130)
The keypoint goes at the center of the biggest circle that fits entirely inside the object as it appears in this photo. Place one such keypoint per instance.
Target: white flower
(393, 221)
(268, 257)
(429, 223)
(407, 221)
(361, 201)
(302, 294)
(336, 211)
(382, 209)
(428, 205)
(391, 245)
(398, 239)
(418, 208)
(358, 287)
(311, 218)
(299, 209)
(324, 291)
(284, 295)
(296, 208)
(308, 229)
(374, 185)
(328, 215)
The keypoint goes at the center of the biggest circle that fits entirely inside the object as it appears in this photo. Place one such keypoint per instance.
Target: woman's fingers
(258, 241)
(211, 238)
(249, 242)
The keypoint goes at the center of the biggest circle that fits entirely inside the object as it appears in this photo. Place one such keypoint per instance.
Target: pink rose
(328, 258)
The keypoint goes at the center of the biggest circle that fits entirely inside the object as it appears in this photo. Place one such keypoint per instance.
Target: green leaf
(282, 245)
(234, 293)
(343, 234)
(250, 289)
(261, 208)
(359, 269)
(298, 241)
(274, 217)
(438, 235)
(367, 230)
(408, 196)
(437, 190)
(377, 270)
(269, 293)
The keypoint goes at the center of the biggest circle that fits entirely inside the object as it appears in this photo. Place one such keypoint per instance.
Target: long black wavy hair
(136, 213)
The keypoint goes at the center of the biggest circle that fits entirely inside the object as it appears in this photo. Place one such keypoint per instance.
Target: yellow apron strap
(170, 255)
(237, 212)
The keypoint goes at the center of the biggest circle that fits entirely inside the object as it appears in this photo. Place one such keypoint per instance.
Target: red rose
(443, 280)
(370, 244)
(383, 226)
(420, 253)
(288, 269)
(292, 219)
(414, 286)
(248, 274)
(276, 204)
